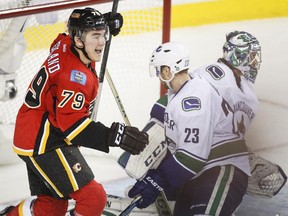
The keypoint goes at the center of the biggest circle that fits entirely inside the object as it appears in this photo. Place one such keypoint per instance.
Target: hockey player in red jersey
(54, 121)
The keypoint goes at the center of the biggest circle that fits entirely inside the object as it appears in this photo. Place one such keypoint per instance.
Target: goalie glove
(115, 23)
(128, 138)
(266, 179)
(149, 188)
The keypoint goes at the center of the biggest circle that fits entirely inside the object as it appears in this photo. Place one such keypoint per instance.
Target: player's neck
(179, 80)
(81, 56)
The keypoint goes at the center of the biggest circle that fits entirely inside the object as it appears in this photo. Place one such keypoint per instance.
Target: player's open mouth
(98, 51)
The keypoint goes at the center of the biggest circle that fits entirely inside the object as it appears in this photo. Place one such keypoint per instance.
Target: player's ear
(165, 72)
(78, 42)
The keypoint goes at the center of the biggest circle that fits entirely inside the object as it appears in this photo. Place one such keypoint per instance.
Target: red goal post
(27, 28)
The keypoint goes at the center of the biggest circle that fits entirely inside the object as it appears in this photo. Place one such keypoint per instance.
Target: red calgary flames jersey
(58, 103)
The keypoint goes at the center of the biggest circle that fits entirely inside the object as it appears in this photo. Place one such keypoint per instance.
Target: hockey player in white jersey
(206, 168)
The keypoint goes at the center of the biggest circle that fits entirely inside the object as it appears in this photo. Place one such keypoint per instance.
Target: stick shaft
(103, 65)
(130, 207)
(117, 98)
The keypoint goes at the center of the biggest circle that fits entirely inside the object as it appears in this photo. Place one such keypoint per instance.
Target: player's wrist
(128, 138)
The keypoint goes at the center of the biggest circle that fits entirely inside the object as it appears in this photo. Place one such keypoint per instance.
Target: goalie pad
(266, 178)
(115, 205)
(136, 166)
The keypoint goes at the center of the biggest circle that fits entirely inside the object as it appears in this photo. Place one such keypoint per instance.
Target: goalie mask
(83, 20)
(169, 54)
(243, 51)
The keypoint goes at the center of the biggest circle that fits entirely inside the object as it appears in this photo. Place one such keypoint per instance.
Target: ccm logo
(154, 155)
(119, 134)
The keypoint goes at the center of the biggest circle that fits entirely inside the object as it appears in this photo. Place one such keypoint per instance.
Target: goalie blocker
(136, 166)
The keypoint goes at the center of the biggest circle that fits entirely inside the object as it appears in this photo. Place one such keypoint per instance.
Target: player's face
(94, 44)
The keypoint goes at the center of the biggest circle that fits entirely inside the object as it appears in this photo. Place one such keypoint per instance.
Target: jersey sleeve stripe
(189, 162)
(25, 152)
(227, 149)
(78, 129)
(44, 138)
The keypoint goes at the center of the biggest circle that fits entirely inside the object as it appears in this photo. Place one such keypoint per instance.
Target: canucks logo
(191, 103)
(216, 72)
(78, 76)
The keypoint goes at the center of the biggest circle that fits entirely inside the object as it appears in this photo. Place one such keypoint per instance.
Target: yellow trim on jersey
(44, 138)
(67, 142)
(80, 128)
(20, 209)
(24, 208)
(46, 177)
(68, 170)
(22, 151)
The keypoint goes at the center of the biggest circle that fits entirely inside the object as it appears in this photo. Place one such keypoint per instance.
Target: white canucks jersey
(199, 129)
(242, 99)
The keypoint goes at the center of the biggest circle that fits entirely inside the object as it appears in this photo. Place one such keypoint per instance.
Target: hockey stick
(103, 64)
(117, 98)
(161, 201)
(131, 206)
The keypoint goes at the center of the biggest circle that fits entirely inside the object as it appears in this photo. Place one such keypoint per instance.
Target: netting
(128, 57)
(24, 43)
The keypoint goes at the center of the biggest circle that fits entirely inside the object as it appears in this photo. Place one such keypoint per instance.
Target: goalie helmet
(243, 51)
(169, 54)
(82, 20)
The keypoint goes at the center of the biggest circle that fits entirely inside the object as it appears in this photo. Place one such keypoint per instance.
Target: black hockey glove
(115, 23)
(128, 138)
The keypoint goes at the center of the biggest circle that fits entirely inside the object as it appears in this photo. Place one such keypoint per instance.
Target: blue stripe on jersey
(175, 174)
(158, 109)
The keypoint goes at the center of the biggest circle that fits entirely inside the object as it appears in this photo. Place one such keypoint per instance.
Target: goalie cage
(28, 27)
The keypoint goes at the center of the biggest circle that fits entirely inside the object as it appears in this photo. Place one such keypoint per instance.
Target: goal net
(27, 28)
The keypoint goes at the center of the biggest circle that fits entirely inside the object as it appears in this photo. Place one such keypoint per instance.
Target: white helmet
(169, 54)
(243, 51)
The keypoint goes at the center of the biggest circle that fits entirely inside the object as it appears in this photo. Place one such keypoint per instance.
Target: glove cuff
(115, 135)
